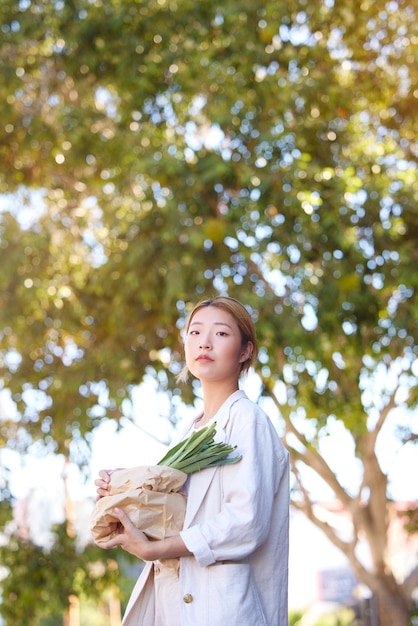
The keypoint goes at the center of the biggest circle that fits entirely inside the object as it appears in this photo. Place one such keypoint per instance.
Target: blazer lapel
(199, 484)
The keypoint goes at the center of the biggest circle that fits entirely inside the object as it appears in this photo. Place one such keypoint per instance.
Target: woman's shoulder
(242, 400)
(248, 422)
(247, 409)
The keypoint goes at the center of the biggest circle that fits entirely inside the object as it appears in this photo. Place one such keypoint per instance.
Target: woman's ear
(247, 352)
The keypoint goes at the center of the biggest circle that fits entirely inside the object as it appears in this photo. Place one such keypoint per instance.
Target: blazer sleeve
(249, 490)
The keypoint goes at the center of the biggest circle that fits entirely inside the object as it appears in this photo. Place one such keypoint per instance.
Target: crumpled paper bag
(150, 497)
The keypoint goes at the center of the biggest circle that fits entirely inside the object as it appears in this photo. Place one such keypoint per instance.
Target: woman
(232, 553)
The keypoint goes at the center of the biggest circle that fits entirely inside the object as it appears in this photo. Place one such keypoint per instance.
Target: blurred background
(156, 153)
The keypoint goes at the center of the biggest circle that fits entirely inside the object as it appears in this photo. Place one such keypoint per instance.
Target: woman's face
(213, 345)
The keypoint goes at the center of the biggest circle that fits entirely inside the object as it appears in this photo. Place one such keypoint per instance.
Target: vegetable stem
(199, 451)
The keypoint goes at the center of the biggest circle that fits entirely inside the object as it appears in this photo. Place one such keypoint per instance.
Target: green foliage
(410, 518)
(294, 617)
(40, 581)
(6, 500)
(342, 617)
(112, 111)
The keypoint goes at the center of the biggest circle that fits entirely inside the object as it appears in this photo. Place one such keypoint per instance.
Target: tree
(179, 150)
(41, 581)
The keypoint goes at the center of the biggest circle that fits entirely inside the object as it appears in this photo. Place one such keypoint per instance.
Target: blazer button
(187, 598)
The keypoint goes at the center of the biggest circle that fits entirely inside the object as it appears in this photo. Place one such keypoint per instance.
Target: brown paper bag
(150, 497)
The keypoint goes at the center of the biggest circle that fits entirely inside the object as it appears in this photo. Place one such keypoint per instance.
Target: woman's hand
(103, 482)
(132, 540)
(129, 538)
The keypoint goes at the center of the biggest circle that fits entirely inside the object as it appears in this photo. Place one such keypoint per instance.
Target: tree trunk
(393, 608)
(115, 616)
(72, 615)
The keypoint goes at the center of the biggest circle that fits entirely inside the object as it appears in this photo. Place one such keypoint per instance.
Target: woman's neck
(213, 399)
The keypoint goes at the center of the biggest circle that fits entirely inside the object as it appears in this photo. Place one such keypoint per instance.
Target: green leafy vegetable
(199, 451)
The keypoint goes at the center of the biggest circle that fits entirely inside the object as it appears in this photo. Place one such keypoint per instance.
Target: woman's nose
(205, 344)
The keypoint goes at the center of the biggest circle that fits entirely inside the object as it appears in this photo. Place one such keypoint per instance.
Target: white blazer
(237, 527)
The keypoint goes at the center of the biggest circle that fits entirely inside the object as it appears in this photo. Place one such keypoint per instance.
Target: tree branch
(310, 457)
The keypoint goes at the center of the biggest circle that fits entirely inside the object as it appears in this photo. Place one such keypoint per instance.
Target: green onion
(198, 452)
